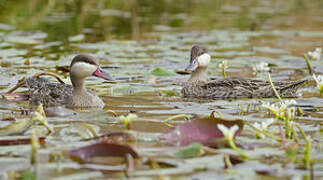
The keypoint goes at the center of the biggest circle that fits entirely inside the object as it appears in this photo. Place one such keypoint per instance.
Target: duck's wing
(236, 88)
(48, 93)
(240, 88)
(237, 82)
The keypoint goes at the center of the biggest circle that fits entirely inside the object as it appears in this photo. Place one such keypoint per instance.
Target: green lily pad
(162, 72)
(28, 175)
(190, 151)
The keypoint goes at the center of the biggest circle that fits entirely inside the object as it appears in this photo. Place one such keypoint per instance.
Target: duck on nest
(197, 85)
(75, 96)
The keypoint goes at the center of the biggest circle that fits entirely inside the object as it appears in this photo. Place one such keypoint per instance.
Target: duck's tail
(291, 89)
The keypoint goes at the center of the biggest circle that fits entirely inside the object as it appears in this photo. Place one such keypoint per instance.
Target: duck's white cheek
(204, 60)
(82, 69)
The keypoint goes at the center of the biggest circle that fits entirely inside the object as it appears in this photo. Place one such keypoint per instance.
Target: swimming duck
(72, 96)
(197, 85)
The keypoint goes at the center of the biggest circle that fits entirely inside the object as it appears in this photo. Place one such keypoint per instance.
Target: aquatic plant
(223, 66)
(319, 82)
(262, 126)
(284, 112)
(127, 120)
(308, 147)
(228, 134)
(34, 147)
(281, 109)
(261, 67)
(26, 123)
(308, 152)
(316, 54)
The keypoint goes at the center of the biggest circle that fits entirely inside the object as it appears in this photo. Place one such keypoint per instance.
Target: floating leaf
(76, 38)
(12, 52)
(192, 150)
(102, 149)
(161, 72)
(16, 127)
(16, 140)
(166, 93)
(254, 145)
(116, 137)
(28, 175)
(59, 111)
(22, 39)
(202, 130)
(16, 97)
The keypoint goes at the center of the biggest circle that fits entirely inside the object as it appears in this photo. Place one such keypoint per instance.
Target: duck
(197, 85)
(75, 96)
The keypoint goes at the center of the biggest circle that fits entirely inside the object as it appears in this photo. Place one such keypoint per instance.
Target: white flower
(272, 107)
(316, 54)
(319, 81)
(280, 109)
(264, 125)
(223, 65)
(261, 67)
(228, 133)
(287, 103)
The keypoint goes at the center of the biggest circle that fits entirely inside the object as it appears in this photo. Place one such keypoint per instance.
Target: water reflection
(103, 20)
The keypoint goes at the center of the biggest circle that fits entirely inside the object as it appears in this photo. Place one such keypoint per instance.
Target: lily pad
(203, 130)
(193, 150)
(18, 140)
(76, 38)
(101, 149)
(162, 72)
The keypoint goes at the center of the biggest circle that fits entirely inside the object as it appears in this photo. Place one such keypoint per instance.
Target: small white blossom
(261, 67)
(223, 65)
(272, 107)
(281, 109)
(263, 125)
(228, 133)
(316, 54)
(287, 103)
(319, 82)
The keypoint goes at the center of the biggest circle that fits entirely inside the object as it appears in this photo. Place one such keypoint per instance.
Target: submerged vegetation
(146, 129)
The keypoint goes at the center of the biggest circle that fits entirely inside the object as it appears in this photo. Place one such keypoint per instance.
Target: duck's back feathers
(47, 93)
(239, 88)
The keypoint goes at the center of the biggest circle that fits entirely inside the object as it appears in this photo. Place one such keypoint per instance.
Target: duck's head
(83, 66)
(199, 58)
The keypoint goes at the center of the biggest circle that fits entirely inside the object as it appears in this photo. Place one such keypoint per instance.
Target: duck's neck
(78, 85)
(199, 75)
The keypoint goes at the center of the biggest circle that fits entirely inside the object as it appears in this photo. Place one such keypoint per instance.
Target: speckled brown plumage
(48, 93)
(239, 88)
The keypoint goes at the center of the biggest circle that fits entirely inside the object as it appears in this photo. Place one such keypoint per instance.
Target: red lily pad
(203, 130)
(102, 149)
(18, 141)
